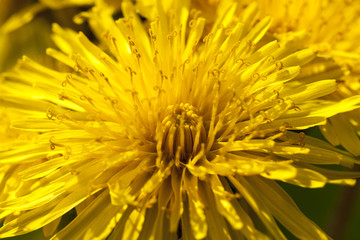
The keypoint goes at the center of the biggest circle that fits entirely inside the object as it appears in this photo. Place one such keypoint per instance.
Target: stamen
(50, 113)
(181, 133)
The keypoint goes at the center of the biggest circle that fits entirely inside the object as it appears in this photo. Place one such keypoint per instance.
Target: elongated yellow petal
(101, 225)
(301, 227)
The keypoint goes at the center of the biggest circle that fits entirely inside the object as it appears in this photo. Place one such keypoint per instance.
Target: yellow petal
(100, 217)
(346, 133)
(307, 178)
(21, 18)
(177, 208)
(329, 133)
(286, 212)
(224, 206)
(50, 228)
(252, 198)
(197, 216)
(309, 91)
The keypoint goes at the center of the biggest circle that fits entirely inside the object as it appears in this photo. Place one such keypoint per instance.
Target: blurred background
(25, 27)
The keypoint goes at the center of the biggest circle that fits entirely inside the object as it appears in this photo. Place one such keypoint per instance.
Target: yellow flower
(164, 133)
(333, 35)
(331, 31)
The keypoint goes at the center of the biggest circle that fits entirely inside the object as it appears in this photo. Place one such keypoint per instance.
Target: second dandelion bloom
(163, 132)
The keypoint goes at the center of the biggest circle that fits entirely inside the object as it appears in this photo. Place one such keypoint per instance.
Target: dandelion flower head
(332, 28)
(162, 132)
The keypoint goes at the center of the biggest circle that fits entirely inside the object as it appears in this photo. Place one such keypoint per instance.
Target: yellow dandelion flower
(163, 133)
(333, 35)
(331, 31)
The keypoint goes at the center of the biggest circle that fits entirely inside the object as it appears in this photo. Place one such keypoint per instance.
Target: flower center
(183, 132)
